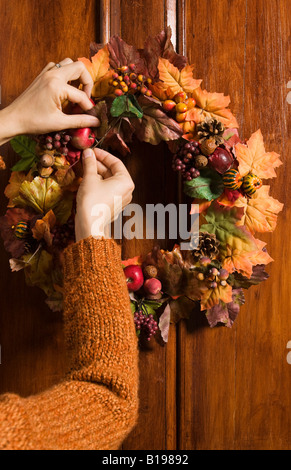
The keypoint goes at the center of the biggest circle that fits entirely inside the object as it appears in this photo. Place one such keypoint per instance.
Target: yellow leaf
(212, 297)
(99, 64)
(172, 80)
(15, 182)
(253, 157)
(260, 211)
(214, 105)
(102, 87)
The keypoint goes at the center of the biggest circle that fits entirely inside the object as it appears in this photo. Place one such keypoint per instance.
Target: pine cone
(207, 246)
(210, 127)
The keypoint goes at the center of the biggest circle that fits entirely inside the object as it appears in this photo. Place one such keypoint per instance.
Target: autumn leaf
(223, 222)
(15, 182)
(258, 275)
(161, 46)
(244, 261)
(253, 157)
(260, 211)
(42, 228)
(2, 164)
(155, 125)
(136, 260)
(213, 105)
(208, 185)
(173, 80)
(39, 271)
(98, 66)
(121, 131)
(42, 194)
(226, 313)
(212, 297)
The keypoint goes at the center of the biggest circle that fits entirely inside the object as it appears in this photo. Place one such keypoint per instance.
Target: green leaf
(133, 306)
(208, 185)
(222, 223)
(150, 306)
(25, 148)
(127, 106)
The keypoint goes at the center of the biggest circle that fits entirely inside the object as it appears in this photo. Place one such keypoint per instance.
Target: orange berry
(120, 78)
(148, 93)
(115, 76)
(190, 102)
(180, 117)
(133, 86)
(140, 78)
(125, 89)
(132, 66)
(180, 97)
(132, 76)
(124, 68)
(118, 92)
(181, 108)
(122, 83)
(115, 83)
(168, 105)
(149, 80)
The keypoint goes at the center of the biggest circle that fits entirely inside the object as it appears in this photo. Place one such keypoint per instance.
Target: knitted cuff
(89, 253)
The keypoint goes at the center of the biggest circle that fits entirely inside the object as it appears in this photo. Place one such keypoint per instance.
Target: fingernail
(87, 153)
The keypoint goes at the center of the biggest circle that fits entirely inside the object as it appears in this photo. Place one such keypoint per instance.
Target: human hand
(39, 109)
(104, 192)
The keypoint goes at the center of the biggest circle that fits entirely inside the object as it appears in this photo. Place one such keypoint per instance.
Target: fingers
(78, 120)
(77, 70)
(78, 96)
(89, 163)
(103, 170)
(112, 163)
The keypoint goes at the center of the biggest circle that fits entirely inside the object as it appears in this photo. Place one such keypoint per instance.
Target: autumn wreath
(152, 94)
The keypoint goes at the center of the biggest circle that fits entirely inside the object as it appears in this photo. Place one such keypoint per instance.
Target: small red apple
(76, 108)
(82, 138)
(134, 277)
(152, 286)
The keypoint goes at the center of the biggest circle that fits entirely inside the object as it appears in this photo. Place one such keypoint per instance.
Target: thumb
(89, 163)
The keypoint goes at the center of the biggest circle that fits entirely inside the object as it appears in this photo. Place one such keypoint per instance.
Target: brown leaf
(155, 125)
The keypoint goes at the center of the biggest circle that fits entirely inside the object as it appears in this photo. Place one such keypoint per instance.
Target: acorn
(150, 271)
(208, 146)
(200, 162)
(47, 160)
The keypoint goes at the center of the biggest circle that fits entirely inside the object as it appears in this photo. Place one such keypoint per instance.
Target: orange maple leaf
(260, 211)
(253, 157)
(98, 66)
(137, 260)
(244, 261)
(173, 80)
(42, 228)
(212, 297)
(2, 164)
(214, 105)
(15, 181)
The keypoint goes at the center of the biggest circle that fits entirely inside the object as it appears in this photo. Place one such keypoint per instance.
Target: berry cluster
(56, 141)
(214, 276)
(181, 104)
(146, 324)
(126, 80)
(188, 160)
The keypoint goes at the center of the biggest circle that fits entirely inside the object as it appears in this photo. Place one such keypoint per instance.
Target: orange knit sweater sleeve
(95, 406)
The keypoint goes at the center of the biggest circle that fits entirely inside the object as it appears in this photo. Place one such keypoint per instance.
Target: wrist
(9, 124)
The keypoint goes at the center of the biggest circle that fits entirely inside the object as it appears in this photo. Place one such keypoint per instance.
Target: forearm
(9, 124)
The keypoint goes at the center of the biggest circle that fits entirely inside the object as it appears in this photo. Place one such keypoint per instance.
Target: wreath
(151, 94)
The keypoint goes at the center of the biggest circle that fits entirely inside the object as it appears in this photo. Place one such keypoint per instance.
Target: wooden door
(208, 388)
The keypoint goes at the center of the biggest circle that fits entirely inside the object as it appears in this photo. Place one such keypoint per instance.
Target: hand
(104, 192)
(39, 109)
